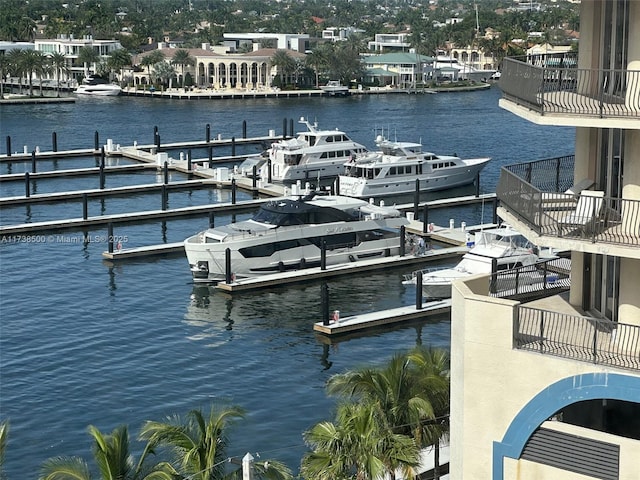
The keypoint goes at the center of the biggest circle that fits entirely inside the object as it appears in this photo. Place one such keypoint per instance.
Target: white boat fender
(431, 227)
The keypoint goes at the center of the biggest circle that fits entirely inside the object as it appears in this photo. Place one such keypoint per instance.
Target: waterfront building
(397, 69)
(390, 42)
(550, 388)
(298, 42)
(70, 47)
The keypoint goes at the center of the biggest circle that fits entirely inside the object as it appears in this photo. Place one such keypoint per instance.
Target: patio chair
(586, 212)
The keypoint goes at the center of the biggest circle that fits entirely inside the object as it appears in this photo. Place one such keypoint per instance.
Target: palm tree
(112, 457)
(87, 55)
(16, 68)
(358, 445)
(58, 62)
(33, 61)
(182, 58)
(199, 444)
(318, 60)
(284, 63)
(4, 68)
(118, 59)
(165, 72)
(151, 59)
(412, 390)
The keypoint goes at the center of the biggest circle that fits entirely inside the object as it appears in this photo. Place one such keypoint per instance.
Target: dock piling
(416, 199)
(85, 206)
(419, 290)
(212, 222)
(54, 141)
(33, 161)
(291, 127)
(233, 146)
(324, 303)
(227, 265)
(189, 166)
(233, 191)
(165, 171)
(254, 179)
(477, 184)
(403, 234)
(96, 141)
(210, 149)
(269, 170)
(244, 129)
(163, 193)
(8, 145)
(110, 237)
(425, 220)
(27, 185)
(284, 128)
(208, 133)
(323, 254)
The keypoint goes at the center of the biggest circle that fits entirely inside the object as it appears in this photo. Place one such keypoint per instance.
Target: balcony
(551, 90)
(581, 338)
(538, 194)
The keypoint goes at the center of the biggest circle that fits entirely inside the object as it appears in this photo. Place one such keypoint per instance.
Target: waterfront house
(550, 388)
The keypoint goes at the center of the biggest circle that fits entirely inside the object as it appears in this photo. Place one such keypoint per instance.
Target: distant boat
(93, 85)
(395, 168)
(335, 88)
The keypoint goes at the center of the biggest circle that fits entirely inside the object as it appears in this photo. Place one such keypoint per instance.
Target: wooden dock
(366, 321)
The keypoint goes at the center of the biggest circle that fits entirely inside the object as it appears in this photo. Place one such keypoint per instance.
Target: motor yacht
(93, 85)
(290, 233)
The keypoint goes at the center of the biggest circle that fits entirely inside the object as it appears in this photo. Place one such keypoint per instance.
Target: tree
(15, 64)
(285, 64)
(151, 59)
(4, 69)
(112, 457)
(87, 55)
(32, 61)
(118, 59)
(358, 445)
(165, 72)
(199, 444)
(58, 63)
(182, 58)
(318, 60)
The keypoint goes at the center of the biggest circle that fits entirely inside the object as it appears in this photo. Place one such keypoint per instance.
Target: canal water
(84, 342)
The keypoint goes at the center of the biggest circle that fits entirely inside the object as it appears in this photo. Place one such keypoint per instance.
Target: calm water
(85, 342)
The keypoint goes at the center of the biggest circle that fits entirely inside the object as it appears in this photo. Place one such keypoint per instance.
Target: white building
(284, 41)
(390, 42)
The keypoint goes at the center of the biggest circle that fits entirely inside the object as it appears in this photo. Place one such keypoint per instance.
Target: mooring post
(96, 141)
(33, 161)
(419, 290)
(157, 143)
(110, 237)
(233, 146)
(85, 206)
(102, 178)
(477, 184)
(254, 179)
(227, 265)
(189, 166)
(495, 210)
(165, 171)
(233, 191)
(163, 192)
(27, 185)
(324, 303)
(494, 275)
(54, 141)
(416, 199)
(208, 133)
(210, 156)
(402, 240)
(425, 220)
(244, 129)
(284, 128)
(269, 171)
(323, 254)
(8, 145)
(291, 127)
(212, 222)
(155, 133)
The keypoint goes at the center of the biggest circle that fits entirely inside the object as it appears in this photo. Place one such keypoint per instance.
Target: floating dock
(356, 323)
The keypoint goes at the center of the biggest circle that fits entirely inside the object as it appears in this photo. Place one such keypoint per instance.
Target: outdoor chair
(586, 212)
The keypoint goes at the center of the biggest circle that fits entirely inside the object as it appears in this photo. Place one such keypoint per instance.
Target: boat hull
(99, 91)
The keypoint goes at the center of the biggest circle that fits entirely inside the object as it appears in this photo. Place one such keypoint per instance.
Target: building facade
(550, 388)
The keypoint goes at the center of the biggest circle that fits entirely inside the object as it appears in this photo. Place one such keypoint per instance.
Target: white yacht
(92, 85)
(313, 154)
(335, 88)
(509, 248)
(394, 169)
(288, 233)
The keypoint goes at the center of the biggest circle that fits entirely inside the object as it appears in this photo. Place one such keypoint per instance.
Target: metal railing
(552, 84)
(585, 339)
(530, 282)
(534, 192)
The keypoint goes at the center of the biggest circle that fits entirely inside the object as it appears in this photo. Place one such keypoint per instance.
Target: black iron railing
(529, 282)
(585, 339)
(552, 84)
(535, 192)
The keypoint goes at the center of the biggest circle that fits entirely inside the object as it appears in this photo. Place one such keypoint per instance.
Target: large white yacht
(288, 234)
(93, 85)
(311, 155)
(394, 169)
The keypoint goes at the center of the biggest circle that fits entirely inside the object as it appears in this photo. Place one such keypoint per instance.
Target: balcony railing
(553, 85)
(534, 192)
(529, 282)
(585, 339)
